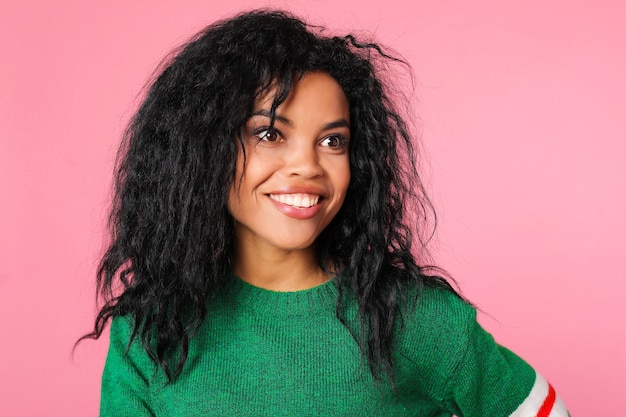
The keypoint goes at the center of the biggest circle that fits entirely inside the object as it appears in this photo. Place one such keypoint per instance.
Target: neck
(277, 270)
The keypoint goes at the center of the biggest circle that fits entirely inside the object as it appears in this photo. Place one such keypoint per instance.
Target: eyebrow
(283, 119)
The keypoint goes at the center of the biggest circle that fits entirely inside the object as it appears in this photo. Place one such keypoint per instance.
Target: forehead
(311, 89)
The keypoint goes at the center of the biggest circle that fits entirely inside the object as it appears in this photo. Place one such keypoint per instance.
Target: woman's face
(297, 173)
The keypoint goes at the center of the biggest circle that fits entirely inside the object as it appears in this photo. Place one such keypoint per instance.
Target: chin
(295, 245)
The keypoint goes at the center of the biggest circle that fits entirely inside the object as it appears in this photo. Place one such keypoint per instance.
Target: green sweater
(265, 353)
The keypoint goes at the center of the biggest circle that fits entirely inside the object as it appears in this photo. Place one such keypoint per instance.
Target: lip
(300, 213)
(300, 190)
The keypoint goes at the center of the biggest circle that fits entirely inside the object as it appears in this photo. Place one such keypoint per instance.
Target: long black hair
(171, 232)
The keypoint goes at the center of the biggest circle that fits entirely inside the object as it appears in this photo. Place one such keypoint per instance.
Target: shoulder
(440, 342)
(128, 373)
(435, 314)
(126, 350)
(122, 331)
(122, 327)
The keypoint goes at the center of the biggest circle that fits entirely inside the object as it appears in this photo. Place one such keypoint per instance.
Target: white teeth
(297, 199)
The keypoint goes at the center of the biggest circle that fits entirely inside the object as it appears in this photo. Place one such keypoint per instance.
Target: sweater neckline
(284, 303)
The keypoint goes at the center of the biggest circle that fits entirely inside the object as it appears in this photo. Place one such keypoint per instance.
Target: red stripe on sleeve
(546, 407)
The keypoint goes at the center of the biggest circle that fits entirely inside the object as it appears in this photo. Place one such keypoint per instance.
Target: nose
(303, 160)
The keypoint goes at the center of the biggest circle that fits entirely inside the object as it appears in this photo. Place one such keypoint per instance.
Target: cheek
(341, 181)
(234, 202)
(343, 176)
(238, 191)
(245, 191)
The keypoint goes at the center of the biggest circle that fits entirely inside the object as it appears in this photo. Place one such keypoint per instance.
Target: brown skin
(294, 183)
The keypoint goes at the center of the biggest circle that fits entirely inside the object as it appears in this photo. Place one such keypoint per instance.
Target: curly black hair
(171, 232)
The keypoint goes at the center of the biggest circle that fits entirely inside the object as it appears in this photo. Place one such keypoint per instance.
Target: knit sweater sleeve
(125, 389)
(491, 380)
(468, 373)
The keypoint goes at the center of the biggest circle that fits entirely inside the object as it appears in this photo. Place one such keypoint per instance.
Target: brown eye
(267, 135)
(335, 141)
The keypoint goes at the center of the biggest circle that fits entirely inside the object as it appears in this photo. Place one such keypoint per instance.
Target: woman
(261, 260)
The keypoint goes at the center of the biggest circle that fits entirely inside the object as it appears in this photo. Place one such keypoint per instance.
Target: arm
(125, 387)
(492, 380)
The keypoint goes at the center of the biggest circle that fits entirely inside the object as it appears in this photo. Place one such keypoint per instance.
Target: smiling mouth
(300, 200)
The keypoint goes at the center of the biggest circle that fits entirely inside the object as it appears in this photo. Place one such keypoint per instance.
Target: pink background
(522, 107)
